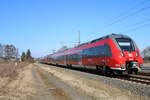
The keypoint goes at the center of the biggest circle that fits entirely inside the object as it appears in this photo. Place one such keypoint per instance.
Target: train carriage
(114, 52)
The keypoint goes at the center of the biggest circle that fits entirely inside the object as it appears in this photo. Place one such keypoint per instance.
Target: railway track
(141, 78)
(144, 73)
(136, 79)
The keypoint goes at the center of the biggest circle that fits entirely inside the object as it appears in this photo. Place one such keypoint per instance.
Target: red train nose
(130, 56)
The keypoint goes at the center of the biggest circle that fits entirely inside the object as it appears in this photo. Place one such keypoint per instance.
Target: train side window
(108, 52)
(99, 51)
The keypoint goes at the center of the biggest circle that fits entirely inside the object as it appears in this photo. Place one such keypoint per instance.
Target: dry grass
(9, 69)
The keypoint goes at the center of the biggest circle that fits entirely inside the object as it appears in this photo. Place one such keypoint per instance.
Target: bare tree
(146, 54)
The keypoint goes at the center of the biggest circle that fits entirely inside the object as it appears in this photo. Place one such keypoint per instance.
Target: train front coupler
(132, 66)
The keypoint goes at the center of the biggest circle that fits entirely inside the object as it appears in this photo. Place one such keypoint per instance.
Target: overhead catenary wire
(136, 28)
(138, 23)
(132, 8)
(125, 16)
(129, 15)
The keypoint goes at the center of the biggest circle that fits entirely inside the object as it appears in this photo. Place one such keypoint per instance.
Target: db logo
(130, 55)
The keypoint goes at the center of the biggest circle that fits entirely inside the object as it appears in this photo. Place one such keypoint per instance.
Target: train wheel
(109, 72)
(130, 72)
(135, 71)
(118, 72)
(69, 66)
(99, 69)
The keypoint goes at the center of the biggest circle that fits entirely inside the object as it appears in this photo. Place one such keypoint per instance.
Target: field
(23, 81)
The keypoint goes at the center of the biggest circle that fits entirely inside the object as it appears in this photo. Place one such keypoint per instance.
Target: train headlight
(122, 54)
(137, 54)
(122, 66)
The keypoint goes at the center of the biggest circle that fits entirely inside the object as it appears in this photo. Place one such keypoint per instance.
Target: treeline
(27, 57)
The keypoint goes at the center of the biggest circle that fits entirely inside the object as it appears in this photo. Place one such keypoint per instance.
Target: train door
(105, 51)
(65, 60)
(80, 58)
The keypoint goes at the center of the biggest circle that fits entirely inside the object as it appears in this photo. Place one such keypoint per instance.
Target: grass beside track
(9, 69)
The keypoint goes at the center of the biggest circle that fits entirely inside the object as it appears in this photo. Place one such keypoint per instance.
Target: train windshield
(125, 44)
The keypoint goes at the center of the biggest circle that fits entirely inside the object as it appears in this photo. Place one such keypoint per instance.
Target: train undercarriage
(131, 67)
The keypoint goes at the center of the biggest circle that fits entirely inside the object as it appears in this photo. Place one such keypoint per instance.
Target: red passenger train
(115, 52)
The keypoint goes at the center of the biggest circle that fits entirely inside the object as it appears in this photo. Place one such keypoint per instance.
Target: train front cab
(126, 56)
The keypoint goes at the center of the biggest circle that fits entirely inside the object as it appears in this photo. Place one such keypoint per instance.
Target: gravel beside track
(135, 88)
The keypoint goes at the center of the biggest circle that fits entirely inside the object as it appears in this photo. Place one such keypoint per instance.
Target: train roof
(113, 36)
(104, 37)
(117, 36)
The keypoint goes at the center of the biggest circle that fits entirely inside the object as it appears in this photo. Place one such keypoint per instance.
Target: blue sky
(42, 25)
